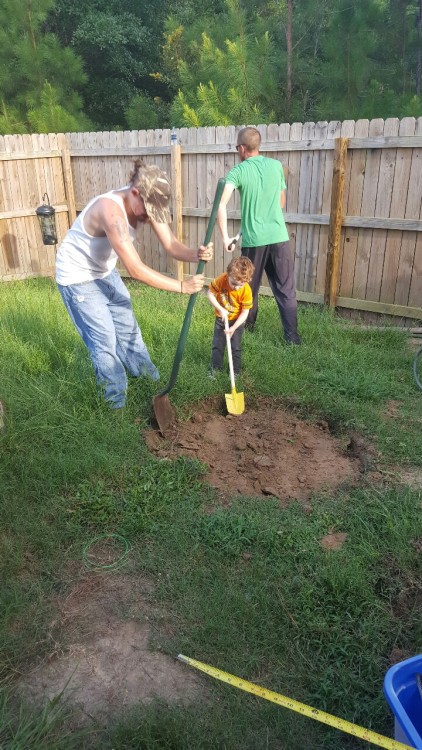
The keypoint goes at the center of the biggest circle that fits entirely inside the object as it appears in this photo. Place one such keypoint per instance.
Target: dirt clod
(333, 541)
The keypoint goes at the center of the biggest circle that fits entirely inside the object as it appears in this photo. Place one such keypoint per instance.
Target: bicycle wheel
(417, 368)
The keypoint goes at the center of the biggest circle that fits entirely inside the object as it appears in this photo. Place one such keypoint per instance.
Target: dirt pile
(266, 451)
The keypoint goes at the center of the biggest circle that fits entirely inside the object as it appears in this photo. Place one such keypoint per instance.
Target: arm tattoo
(120, 226)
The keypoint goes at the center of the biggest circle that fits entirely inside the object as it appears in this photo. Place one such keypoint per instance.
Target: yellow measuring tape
(301, 708)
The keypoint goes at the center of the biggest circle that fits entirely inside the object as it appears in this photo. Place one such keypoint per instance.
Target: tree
(49, 116)
(10, 121)
(120, 49)
(349, 68)
(145, 112)
(30, 59)
(221, 85)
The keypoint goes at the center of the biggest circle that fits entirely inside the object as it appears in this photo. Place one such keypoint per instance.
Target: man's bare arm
(222, 213)
(177, 249)
(115, 226)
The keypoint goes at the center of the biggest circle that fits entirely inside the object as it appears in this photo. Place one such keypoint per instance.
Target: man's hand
(206, 252)
(193, 284)
(225, 316)
(231, 243)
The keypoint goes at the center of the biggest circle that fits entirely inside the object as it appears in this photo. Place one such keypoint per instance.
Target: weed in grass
(143, 496)
(230, 533)
(25, 728)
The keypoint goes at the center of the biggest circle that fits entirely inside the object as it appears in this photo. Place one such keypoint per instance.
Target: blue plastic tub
(403, 695)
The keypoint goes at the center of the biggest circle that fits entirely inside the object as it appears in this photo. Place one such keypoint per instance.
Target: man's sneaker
(294, 340)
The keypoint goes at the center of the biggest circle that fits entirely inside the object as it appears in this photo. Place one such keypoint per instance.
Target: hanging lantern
(47, 221)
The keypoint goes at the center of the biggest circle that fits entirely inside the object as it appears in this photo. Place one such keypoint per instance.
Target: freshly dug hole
(266, 451)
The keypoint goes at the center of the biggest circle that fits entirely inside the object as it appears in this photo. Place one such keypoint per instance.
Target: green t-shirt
(260, 181)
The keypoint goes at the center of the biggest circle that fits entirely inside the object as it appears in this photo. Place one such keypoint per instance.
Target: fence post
(176, 186)
(336, 221)
(67, 178)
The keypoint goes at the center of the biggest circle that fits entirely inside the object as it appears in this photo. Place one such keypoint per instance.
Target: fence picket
(408, 245)
(415, 291)
(292, 193)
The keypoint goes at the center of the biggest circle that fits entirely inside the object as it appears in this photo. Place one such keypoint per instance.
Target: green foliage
(259, 597)
(341, 67)
(120, 50)
(233, 532)
(10, 120)
(31, 729)
(224, 86)
(51, 117)
(152, 64)
(141, 497)
(144, 113)
(411, 107)
(30, 62)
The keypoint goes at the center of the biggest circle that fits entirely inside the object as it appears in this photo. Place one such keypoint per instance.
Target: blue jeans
(101, 311)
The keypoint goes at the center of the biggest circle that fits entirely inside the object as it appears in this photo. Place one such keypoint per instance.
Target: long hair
(138, 164)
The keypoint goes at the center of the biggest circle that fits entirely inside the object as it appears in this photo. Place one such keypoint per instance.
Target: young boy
(231, 296)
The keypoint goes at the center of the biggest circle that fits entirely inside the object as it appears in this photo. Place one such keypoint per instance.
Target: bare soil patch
(266, 451)
(412, 477)
(113, 659)
(333, 540)
(392, 409)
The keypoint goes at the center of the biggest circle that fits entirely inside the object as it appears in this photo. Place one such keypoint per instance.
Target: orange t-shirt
(233, 300)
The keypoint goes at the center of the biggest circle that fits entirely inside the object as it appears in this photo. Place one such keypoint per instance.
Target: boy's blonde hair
(241, 269)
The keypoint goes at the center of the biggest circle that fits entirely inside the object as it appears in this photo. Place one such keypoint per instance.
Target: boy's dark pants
(277, 263)
(219, 346)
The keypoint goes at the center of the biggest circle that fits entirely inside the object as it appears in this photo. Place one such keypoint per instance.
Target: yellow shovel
(235, 402)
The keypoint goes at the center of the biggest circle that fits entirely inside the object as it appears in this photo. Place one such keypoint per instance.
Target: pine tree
(220, 85)
(30, 60)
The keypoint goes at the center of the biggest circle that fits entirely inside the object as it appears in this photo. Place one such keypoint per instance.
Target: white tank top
(82, 257)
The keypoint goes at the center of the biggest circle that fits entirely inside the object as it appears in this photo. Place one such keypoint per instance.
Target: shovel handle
(229, 354)
(188, 314)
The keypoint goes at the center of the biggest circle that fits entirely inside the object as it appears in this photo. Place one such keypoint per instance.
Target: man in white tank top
(95, 296)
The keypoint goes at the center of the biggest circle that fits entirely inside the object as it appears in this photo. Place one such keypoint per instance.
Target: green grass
(249, 588)
(24, 728)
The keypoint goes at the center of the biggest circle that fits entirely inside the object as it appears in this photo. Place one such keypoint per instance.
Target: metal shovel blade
(165, 413)
(235, 402)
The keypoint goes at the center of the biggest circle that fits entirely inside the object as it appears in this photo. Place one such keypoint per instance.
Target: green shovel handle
(188, 314)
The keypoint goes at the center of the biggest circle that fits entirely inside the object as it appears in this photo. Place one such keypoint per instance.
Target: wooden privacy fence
(354, 195)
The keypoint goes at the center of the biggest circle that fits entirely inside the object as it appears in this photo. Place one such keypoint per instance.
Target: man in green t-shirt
(265, 240)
